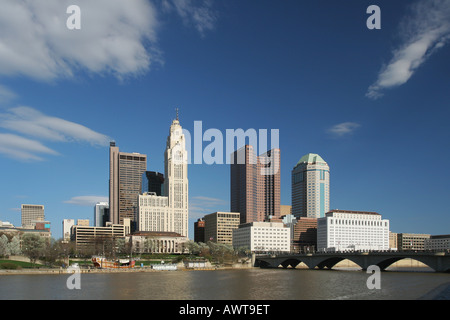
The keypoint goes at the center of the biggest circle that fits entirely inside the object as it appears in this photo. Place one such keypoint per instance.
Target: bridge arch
(330, 262)
(384, 263)
(293, 263)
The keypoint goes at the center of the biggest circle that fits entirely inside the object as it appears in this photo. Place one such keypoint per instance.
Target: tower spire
(177, 113)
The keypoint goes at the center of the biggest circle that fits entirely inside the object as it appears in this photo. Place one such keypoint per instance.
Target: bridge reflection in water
(438, 261)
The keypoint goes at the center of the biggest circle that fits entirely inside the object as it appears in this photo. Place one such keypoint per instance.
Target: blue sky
(372, 103)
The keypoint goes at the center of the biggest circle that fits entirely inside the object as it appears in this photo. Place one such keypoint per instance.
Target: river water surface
(249, 284)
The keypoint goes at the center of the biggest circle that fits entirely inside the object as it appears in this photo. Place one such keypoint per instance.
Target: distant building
(199, 230)
(262, 237)
(66, 228)
(304, 237)
(30, 214)
(411, 241)
(83, 222)
(101, 214)
(219, 226)
(285, 210)
(345, 230)
(156, 242)
(393, 243)
(42, 225)
(255, 184)
(438, 243)
(94, 238)
(154, 213)
(153, 182)
(311, 187)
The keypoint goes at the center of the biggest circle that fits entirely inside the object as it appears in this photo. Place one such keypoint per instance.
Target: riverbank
(56, 271)
(405, 265)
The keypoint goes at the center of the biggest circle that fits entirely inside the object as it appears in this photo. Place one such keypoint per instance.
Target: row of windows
(359, 222)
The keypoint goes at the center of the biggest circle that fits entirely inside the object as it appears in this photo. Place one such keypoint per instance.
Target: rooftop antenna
(177, 113)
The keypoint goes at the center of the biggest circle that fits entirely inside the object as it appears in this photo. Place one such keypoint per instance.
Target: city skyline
(370, 102)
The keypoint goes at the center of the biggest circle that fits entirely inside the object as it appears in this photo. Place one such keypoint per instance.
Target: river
(247, 284)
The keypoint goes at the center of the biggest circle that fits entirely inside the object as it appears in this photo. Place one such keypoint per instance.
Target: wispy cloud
(38, 126)
(18, 147)
(86, 201)
(199, 206)
(426, 28)
(6, 94)
(196, 13)
(31, 122)
(343, 129)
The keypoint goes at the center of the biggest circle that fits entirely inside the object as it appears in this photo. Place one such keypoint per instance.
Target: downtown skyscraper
(125, 182)
(170, 212)
(311, 187)
(254, 190)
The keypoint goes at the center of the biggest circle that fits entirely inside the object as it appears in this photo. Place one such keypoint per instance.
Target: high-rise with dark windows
(255, 184)
(125, 182)
(153, 182)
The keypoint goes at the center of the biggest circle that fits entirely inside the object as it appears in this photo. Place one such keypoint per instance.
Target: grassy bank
(17, 265)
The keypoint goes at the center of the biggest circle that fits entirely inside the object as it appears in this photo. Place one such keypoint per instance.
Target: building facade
(262, 237)
(101, 214)
(345, 230)
(157, 242)
(411, 241)
(255, 184)
(438, 243)
(311, 187)
(66, 228)
(154, 213)
(125, 182)
(153, 182)
(176, 184)
(31, 213)
(219, 227)
(199, 230)
(96, 238)
(304, 235)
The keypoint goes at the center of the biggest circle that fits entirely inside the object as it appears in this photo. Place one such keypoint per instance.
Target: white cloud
(87, 201)
(116, 37)
(343, 129)
(32, 122)
(200, 206)
(425, 29)
(22, 148)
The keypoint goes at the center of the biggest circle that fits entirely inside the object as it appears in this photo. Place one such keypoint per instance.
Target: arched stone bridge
(438, 261)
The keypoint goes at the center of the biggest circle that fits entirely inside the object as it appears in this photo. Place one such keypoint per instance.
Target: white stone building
(344, 230)
(154, 213)
(262, 237)
(169, 213)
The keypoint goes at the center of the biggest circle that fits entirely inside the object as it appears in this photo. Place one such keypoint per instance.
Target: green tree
(33, 246)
